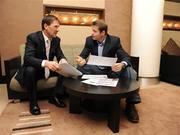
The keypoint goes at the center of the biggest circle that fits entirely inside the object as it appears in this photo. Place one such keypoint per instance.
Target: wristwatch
(124, 64)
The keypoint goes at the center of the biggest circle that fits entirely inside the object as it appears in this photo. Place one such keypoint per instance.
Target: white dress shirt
(47, 46)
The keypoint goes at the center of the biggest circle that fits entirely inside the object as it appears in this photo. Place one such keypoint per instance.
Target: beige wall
(175, 35)
(118, 17)
(77, 3)
(171, 8)
(3, 97)
(18, 18)
(74, 34)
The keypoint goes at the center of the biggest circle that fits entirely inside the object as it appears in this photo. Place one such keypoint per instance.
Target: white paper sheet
(101, 61)
(93, 76)
(68, 70)
(102, 82)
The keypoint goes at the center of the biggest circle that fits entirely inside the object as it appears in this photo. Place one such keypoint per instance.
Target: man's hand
(117, 67)
(63, 61)
(52, 65)
(80, 61)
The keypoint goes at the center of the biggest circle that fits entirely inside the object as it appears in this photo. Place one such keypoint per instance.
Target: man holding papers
(41, 47)
(104, 45)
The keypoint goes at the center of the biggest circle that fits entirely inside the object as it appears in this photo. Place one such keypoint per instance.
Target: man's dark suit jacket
(112, 48)
(35, 53)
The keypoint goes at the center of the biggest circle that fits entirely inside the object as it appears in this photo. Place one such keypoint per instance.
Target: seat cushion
(41, 84)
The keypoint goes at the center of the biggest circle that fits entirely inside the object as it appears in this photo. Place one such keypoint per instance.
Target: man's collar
(45, 37)
(103, 41)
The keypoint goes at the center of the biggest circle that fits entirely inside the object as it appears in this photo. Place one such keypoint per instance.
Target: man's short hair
(48, 19)
(101, 25)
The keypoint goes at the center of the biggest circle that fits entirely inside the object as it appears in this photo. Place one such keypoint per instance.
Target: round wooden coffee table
(78, 90)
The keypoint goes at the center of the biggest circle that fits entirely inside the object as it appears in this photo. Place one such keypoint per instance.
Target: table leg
(74, 104)
(114, 115)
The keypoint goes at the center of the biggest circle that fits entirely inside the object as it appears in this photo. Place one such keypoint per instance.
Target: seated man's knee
(128, 72)
(112, 74)
(86, 69)
(131, 73)
(30, 71)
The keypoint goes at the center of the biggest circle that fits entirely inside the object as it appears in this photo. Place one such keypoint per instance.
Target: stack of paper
(100, 80)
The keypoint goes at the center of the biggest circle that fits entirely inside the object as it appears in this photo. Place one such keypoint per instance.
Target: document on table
(93, 76)
(68, 70)
(101, 61)
(102, 82)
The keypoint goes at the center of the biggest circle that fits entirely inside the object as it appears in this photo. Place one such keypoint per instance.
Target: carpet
(159, 115)
(29, 124)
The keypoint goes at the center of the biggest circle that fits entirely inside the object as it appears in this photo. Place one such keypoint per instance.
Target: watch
(124, 65)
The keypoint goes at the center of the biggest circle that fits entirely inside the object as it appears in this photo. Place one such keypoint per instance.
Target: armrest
(11, 66)
(135, 63)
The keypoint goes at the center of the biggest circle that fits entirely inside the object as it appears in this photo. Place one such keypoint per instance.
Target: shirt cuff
(43, 63)
(125, 63)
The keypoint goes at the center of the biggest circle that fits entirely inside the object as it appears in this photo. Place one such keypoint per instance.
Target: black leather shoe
(35, 110)
(131, 113)
(57, 101)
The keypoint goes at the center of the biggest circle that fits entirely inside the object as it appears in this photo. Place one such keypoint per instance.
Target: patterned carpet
(28, 124)
(159, 115)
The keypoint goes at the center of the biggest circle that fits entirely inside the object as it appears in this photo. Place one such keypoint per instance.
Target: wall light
(171, 23)
(69, 16)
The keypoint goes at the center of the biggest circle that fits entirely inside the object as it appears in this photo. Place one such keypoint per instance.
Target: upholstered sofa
(15, 91)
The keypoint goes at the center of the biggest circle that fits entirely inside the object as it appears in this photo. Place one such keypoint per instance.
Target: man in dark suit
(103, 44)
(41, 47)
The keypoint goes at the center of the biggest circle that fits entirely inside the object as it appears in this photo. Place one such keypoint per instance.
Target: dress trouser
(128, 72)
(32, 75)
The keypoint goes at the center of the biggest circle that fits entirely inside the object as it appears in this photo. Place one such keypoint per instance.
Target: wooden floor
(159, 115)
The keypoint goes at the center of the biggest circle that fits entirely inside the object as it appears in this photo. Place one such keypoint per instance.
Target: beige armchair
(15, 91)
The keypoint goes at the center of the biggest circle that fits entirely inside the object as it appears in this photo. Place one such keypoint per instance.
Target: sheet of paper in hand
(68, 70)
(101, 61)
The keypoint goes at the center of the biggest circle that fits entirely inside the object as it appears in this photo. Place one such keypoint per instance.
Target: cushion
(171, 48)
(71, 51)
(76, 51)
(41, 84)
(67, 50)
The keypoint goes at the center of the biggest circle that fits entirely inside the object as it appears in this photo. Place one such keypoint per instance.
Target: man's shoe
(131, 113)
(35, 110)
(57, 101)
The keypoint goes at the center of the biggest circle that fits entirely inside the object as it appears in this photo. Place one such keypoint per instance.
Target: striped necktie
(47, 44)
